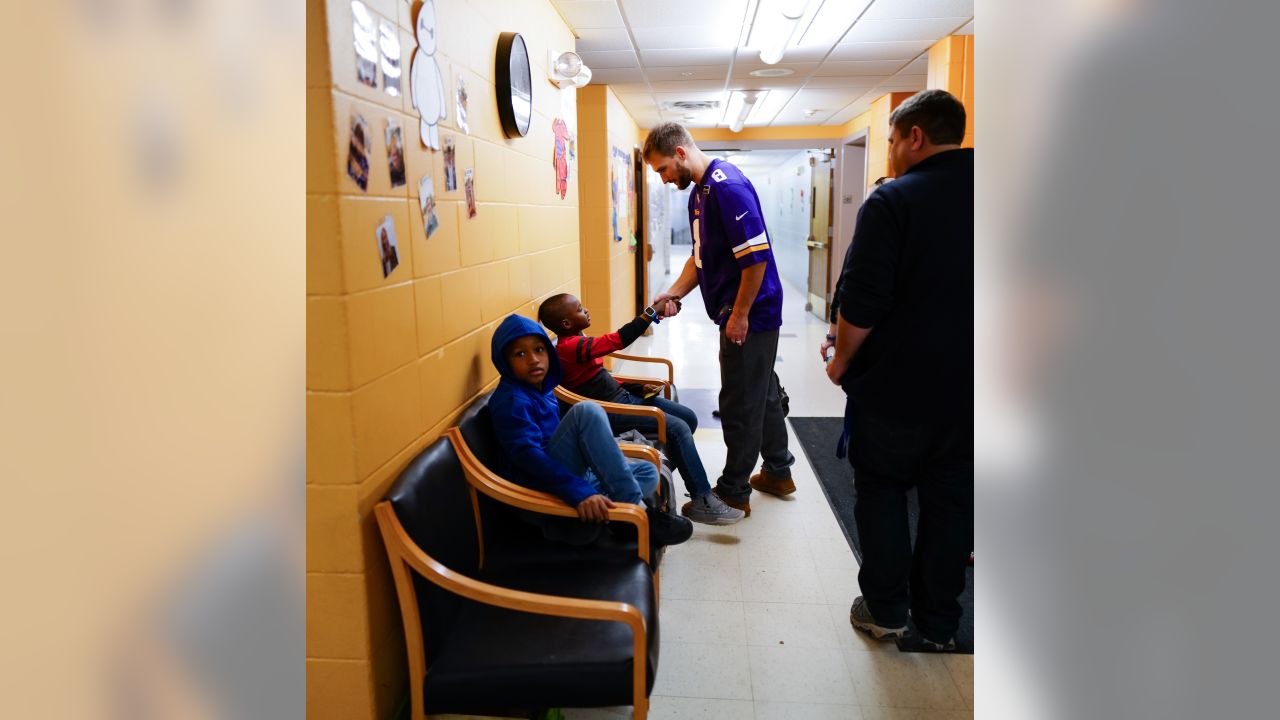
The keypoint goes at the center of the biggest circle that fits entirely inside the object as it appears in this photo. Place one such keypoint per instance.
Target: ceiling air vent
(691, 105)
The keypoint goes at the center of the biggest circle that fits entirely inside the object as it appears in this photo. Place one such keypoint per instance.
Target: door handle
(815, 245)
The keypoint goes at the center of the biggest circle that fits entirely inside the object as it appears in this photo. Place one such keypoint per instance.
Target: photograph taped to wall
(471, 193)
(366, 44)
(389, 47)
(461, 97)
(450, 166)
(388, 253)
(395, 153)
(358, 151)
(427, 203)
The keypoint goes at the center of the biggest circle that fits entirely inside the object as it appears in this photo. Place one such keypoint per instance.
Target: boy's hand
(666, 304)
(653, 391)
(595, 509)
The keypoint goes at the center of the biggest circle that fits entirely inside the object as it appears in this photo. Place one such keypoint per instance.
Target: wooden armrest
(666, 385)
(671, 373)
(612, 408)
(509, 493)
(641, 452)
(497, 595)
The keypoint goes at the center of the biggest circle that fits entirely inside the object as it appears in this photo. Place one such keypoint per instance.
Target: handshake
(666, 305)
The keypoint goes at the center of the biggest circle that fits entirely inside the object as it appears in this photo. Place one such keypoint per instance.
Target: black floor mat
(818, 436)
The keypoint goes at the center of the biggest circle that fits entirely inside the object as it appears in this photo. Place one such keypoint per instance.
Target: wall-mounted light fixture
(741, 103)
(567, 70)
(791, 12)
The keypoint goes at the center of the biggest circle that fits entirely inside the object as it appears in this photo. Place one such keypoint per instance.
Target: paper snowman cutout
(427, 84)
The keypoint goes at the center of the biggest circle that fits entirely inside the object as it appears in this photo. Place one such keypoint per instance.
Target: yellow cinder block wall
(392, 361)
(951, 69)
(608, 266)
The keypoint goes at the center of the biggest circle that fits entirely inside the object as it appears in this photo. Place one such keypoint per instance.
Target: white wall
(787, 215)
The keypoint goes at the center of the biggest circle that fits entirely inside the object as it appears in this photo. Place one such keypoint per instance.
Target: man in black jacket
(904, 356)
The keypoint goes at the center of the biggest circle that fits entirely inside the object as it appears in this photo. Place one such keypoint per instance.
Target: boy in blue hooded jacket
(574, 458)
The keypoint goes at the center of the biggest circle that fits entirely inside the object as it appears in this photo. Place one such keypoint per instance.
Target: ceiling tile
(899, 30)
(717, 94)
(684, 86)
(966, 30)
(883, 9)
(590, 13)
(795, 82)
(692, 72)
(629, 88)
(705, 13)
(854, 68)
(679, 58)
(677, 38)
(830, 23)
(850, 111)
(919, 66)
(865, 82)
(615, 76)
(902, 50)
(607, 60)
(604, 40)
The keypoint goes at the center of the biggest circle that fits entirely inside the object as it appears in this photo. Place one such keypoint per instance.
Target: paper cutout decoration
(389, 46)
(395, 153)
(388, 253)
(427, 203)
(358, 151)
(471, 193)
(366, 44)
(560, 156)
(462, 106)
(450, 166)
(426, 83)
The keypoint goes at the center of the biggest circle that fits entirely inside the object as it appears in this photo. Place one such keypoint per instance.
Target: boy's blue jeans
(584, 443)
(682, 422)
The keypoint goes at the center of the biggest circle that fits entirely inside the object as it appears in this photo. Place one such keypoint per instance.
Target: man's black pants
(751, 413)
(890, 456)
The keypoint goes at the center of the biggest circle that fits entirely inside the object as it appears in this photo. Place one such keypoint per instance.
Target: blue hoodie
(525, 417)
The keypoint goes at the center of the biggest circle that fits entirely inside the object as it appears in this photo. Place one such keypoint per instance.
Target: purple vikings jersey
(729, 236)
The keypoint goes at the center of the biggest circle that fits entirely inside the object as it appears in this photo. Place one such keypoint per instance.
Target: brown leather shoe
(744, 506)
(772, 484)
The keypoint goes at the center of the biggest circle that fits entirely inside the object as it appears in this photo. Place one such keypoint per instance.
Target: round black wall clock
(514, 86)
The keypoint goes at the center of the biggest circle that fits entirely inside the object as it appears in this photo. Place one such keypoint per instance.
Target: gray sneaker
(711, 510)
(860, 617)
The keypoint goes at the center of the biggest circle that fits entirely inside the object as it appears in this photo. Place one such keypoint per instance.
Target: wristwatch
(652, 314)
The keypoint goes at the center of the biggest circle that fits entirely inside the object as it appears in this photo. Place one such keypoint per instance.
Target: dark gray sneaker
(711, 510)
(860, 616)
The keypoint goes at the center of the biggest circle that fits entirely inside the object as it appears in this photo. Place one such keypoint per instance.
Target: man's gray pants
(751, 413)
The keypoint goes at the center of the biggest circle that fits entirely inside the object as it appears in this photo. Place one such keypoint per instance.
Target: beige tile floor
(755, 616)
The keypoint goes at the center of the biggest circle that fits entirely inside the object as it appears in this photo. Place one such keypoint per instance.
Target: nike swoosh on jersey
(741, 216)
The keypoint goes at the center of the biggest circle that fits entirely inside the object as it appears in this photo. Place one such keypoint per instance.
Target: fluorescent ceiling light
(740, 106)
(781, 30)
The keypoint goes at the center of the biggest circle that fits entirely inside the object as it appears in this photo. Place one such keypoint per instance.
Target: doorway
(851, 190)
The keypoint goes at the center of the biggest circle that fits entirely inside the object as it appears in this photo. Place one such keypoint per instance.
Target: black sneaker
(666, 529)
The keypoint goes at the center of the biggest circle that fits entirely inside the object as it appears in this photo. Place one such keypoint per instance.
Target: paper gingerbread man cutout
(427, 83)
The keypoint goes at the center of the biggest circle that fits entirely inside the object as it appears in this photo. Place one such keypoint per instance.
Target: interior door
(820, 235)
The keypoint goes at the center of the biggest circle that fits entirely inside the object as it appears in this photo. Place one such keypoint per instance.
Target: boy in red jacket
(584, 373)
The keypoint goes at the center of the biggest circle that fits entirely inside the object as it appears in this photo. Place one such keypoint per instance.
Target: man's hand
(826, 345)
(736, 328)
(595, 509)
(836, 370)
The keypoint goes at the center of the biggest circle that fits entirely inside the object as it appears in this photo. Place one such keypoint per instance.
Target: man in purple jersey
(732, 262)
